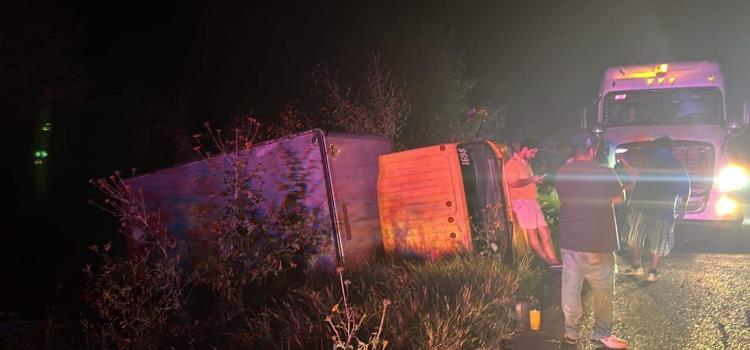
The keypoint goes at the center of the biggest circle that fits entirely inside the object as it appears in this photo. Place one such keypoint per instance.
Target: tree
(437, 84)
(379, 107)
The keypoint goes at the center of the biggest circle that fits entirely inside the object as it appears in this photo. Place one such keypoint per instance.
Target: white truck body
(684, 101)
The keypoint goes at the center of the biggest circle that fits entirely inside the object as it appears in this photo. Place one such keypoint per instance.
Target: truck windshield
(665, 106)
(482, 176)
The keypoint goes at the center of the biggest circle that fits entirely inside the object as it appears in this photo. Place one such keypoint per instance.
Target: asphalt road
(701, 301)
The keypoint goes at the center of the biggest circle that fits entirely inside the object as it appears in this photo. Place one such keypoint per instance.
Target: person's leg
(655, 260)
(637, 260)
(600, 276)
(635, 239)
(535, 244)
(527, 221)
(661, 242)
(572, 283)
(546, 239)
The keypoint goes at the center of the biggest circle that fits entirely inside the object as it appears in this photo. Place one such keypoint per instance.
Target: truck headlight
(726, 206)
(732, 178)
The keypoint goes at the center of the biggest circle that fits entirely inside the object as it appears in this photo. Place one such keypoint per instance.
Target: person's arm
(619, 199)
(683, 194)
(616, 188)
(632, 172)
(513, 175)
(523, 182)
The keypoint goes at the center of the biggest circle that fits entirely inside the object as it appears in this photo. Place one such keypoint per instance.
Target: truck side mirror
(598, 129)
(732, 128)
(584, 119)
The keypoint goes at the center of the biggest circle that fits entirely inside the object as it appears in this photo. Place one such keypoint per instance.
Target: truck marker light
(672, 79)
(711, 78)
(650, 81)
(639, 75)
(661, 80)
(621, 150)
(620, 97)
(726, 206)
(662, 68)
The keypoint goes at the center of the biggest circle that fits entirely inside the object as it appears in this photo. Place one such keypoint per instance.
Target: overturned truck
(371, 202)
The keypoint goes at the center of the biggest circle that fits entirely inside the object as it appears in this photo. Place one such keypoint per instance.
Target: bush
(136, 302)
(550, 204)
(243, 293)
(464, 302)
(148, 299)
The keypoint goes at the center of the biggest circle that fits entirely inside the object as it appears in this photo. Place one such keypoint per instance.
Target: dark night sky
(177, 64)
(542, 60)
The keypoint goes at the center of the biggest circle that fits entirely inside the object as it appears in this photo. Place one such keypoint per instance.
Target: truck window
(663, 106)
(738, 148)
(482, 175)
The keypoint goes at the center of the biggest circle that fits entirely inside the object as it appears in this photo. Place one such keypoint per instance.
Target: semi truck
(686, 102)
(371, 201)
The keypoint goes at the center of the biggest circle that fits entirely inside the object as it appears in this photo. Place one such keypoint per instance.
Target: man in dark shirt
(662, 187)
(588, 240)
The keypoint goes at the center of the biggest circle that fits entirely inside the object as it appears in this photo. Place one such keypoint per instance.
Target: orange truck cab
(445, 199)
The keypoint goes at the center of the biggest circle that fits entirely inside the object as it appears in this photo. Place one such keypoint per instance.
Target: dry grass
(465, 302)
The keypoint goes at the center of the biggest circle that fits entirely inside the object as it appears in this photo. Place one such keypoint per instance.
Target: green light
(47, 127)
(41, 154)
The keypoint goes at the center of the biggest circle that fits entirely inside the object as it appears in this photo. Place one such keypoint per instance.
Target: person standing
(588, 240)
(523, 198)
(662, 187)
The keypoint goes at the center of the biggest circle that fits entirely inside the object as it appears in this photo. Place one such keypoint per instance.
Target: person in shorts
(658, 202)
(523, 198)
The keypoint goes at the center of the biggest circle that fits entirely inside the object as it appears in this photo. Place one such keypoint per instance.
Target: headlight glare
(726, 206)
(732, 178)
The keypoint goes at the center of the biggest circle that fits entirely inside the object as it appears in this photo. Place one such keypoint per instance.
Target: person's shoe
(569, 341)
(653, 275)
(611, 342)
(634, 271)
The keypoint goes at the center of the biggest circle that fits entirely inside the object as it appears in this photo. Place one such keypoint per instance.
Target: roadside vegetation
(252, 287)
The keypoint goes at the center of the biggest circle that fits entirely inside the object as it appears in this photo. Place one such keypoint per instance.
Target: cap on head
(662, 142)
(582, 141)
(529, 143)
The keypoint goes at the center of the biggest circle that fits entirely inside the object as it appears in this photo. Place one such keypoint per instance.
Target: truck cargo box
(334, 175)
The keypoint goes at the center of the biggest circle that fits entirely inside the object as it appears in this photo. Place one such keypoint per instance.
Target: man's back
(586, 215)
(661, 178)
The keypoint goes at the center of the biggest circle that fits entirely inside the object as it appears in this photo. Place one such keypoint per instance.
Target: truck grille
(698, 158)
